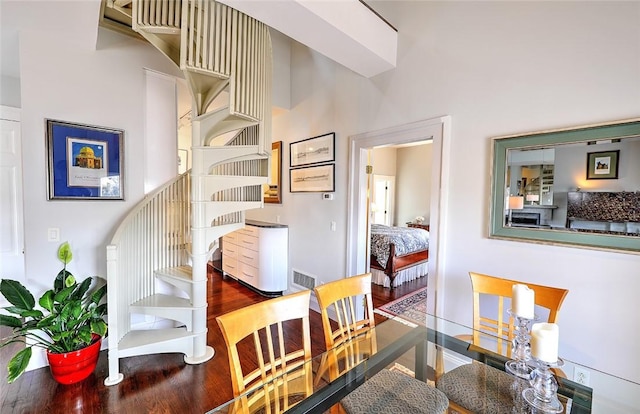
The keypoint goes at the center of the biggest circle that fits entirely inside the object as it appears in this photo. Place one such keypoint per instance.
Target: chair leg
(322, 369)
(337, 409)
(456, 409)
(439, 362)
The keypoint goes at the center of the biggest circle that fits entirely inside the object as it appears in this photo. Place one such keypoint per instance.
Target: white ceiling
(346, 31)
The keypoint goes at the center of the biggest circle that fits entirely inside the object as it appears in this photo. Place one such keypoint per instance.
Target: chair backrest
(547, 297)
(350, 334)
(278, 373)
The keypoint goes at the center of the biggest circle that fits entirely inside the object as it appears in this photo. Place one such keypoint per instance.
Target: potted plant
(70, 324)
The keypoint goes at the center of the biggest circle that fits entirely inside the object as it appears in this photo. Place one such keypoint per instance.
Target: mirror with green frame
(578, 186)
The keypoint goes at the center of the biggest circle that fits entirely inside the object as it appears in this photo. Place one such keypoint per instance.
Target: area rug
(410, 309)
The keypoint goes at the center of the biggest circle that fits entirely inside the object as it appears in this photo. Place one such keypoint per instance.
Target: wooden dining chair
(269, 371)
(478, 388)
(350, 340)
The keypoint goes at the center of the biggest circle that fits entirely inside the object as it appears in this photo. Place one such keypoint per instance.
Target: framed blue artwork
(84, 162)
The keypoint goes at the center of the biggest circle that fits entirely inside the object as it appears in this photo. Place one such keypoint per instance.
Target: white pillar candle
(544, 341)
(522, 301)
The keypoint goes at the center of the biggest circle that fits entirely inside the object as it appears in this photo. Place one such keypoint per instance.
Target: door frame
(439, 130)
(13, 114)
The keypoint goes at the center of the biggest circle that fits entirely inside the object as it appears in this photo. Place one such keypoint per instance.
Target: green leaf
(46, 322)
(63, 294)
(10, 321)
(58, 283)
(64, 253)
(66, 312)
(97, 296)
(82, 288)
(31, 324)
(61, 280)
(101, 310)
(84, 335)
(70, 280)
(18, 364)
(99, 327)
(76, 309)
(35, 314)
(14, 309)
(17, 294)
(46, 301)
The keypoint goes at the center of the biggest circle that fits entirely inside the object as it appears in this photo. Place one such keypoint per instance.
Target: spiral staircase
(157, 259)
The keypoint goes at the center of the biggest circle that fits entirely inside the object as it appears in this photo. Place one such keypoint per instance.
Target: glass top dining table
(408, 345)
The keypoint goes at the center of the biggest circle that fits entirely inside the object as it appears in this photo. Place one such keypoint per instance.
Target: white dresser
(258, 256)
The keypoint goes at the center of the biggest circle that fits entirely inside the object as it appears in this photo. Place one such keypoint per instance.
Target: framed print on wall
(602, 165)
(84, 162)
(312, 150)
(312, 179)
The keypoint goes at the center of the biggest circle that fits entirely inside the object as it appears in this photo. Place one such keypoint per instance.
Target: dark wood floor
(160, 383)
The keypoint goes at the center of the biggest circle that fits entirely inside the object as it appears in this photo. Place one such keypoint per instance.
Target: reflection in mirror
(579, 186)
(273, 190)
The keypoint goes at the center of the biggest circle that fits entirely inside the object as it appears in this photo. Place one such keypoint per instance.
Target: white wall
(281, 88)
(414, 183)
(384, 160)
(10, 91)
(160, 129)
(104, 87)
(498, 68)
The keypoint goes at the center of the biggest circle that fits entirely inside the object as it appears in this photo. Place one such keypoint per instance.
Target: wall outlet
(581, 376)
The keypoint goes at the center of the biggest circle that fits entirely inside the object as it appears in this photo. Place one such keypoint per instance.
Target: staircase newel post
(199, 258)
(112, 316)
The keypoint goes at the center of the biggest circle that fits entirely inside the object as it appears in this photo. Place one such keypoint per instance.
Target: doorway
(437, 129)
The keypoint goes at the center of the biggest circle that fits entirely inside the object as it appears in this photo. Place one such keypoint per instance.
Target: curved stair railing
(157, 259)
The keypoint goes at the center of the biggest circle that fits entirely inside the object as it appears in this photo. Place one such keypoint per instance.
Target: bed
(398, 254)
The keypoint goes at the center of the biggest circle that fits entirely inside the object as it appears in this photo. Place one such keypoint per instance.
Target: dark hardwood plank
(160, 383)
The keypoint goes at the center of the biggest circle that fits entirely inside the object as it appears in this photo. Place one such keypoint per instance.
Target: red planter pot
(71, 367)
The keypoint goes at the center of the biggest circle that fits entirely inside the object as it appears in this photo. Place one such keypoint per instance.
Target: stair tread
(178, 272)
(223, 147)
(226, 177)
(144, 337)
(160, 300)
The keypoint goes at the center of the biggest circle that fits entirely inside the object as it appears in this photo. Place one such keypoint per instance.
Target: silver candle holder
(521, 348)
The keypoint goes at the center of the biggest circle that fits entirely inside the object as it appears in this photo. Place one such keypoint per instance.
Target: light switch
(333, 226)
(53, 234)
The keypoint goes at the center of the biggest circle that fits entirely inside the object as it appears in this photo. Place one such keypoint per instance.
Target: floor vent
(303, 280)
